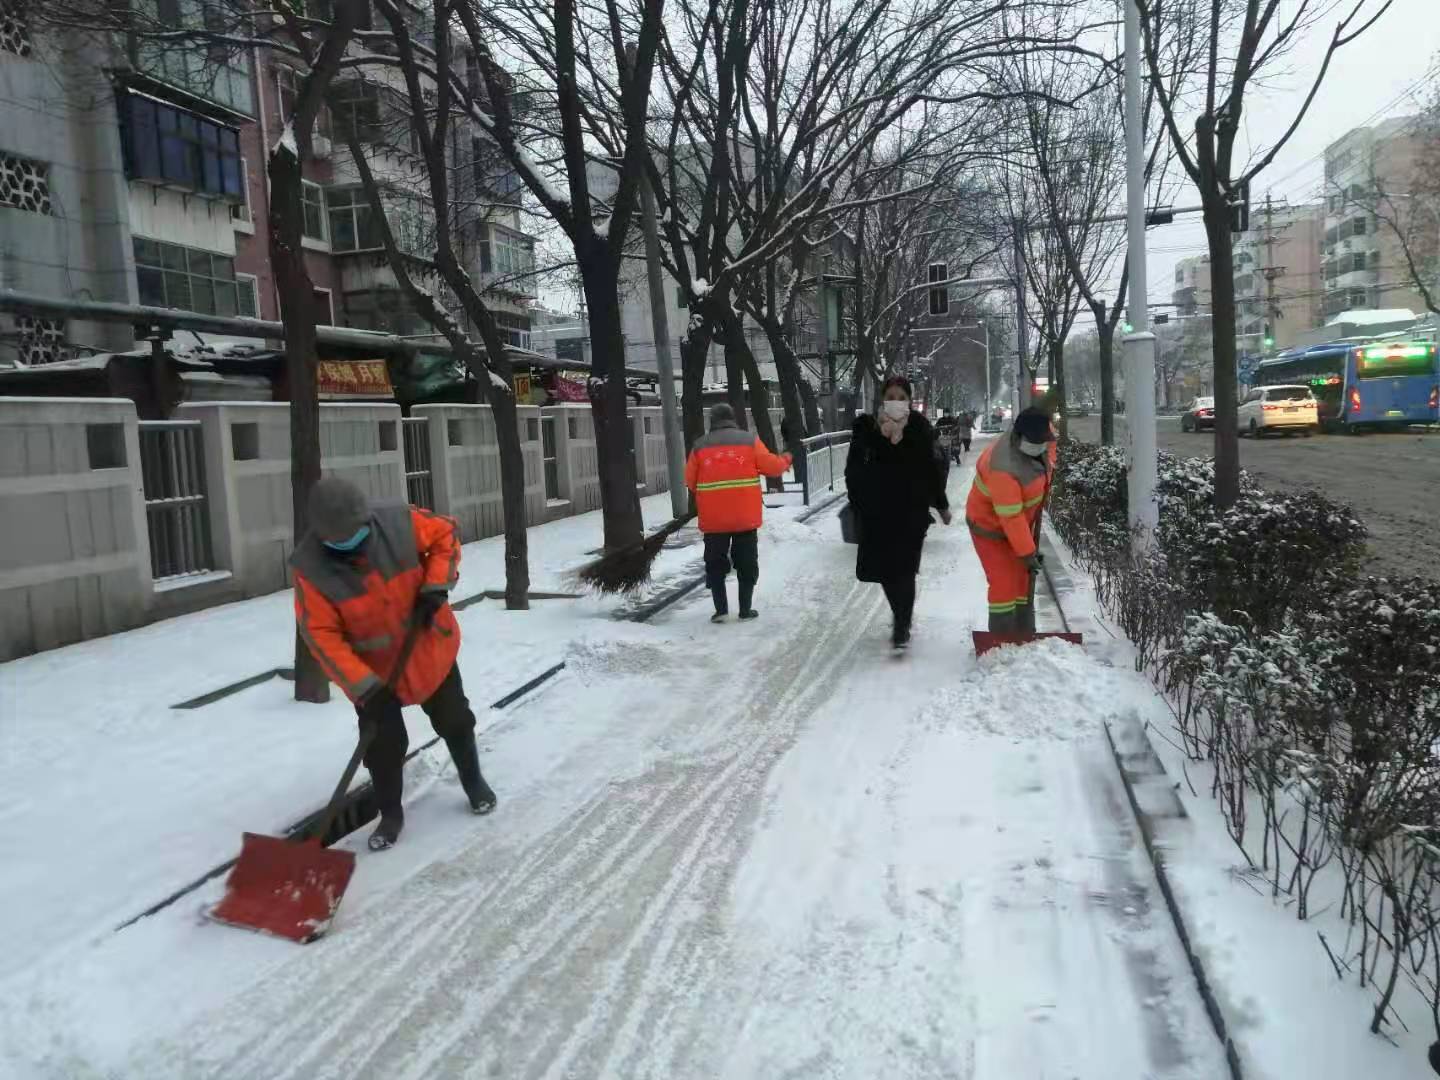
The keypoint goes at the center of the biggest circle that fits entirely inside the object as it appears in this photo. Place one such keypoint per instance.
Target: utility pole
(1022, 335)
(1139, 344)
(664, 364)
(832, 399)
(1271, 272)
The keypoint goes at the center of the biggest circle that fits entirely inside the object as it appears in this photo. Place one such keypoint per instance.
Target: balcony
(171, 147)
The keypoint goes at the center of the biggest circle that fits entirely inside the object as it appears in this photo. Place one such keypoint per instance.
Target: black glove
(428, 605)
(1033, 562)
(375, 706)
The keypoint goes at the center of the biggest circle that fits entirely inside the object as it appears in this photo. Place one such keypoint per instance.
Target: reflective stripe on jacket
(353, 611)
(1007, 495)
(724, 472)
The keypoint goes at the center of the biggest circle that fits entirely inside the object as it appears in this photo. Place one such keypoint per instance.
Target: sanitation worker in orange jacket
(724, 472)
(1012, 481)
(363, 576)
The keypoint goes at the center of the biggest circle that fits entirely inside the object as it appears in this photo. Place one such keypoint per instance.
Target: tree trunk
(735, 379)
(1227, 392)
(812, 408)
(614, 439)
(1057, 384)
(694, 353)
(1107, 381)
(505, 410)
(297, 314)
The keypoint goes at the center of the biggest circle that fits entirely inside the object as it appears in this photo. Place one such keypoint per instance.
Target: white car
(1279, 409)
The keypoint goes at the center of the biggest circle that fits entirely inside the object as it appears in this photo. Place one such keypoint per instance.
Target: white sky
(1382, 74)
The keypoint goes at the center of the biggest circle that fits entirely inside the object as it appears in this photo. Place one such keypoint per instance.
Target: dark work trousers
(743, 550)
(450, 716)
(901, 594)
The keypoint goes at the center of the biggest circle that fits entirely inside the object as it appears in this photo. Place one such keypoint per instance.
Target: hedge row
(1312, 690)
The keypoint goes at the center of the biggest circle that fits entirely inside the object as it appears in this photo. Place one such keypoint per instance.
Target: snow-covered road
(762, 850)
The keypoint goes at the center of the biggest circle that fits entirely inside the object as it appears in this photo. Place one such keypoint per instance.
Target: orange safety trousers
(1006, 574)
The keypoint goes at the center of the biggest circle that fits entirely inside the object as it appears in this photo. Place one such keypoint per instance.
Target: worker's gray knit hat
(337, 508)
(722, 415)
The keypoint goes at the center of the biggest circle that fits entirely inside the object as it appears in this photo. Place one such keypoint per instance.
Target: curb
(1152, 798)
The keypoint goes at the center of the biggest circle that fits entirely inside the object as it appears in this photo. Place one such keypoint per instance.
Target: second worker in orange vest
(1012, 482)
(724, 472)
(363, 577)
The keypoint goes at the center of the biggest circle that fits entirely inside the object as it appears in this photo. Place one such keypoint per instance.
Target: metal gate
(550, 454)
(419, 481)
(824, 462)
(172, 464)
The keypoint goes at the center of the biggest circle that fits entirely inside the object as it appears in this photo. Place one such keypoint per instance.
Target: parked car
(1200, 413)
(1279, 409)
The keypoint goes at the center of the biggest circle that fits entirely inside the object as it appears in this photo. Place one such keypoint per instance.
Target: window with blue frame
(164, 144)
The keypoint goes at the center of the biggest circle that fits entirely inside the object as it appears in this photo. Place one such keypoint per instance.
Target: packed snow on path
(751, 850)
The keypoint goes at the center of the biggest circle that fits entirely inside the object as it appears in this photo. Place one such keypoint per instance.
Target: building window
(288, 82)
(356, 110)
(313, 199)
(247, 296)
(1356, 227)
(240, 211)
(324, 310)
(166, 145)
(25, 184)
(507, 253)
(172, 276)
(40, 341)
(14, 31)
(352, 226)
(386, 310)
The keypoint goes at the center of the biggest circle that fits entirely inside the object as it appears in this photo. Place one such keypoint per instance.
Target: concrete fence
(107, 522)
(465, 464)
(74, 556)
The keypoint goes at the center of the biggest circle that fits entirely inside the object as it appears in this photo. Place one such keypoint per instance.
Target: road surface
(749, 851)
(1391, 481)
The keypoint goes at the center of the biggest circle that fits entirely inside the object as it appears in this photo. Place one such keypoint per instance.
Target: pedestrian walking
(1012, 482)
(364, 577)
(964, 432)
(894, 478)
(724, 472)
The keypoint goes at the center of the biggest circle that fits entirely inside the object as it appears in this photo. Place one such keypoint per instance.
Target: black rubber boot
(747, 594)
(467, 764)
(388, 785)
(722, 604)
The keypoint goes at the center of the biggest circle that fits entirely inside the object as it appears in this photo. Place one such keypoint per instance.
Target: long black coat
(892, 487)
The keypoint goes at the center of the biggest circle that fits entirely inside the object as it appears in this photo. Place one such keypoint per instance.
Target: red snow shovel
(985, 640)
(291, 889)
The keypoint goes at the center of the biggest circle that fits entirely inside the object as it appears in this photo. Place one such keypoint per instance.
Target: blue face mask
(347, 546)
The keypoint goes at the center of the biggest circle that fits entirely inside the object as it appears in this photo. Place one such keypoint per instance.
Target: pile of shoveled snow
(1046, 690)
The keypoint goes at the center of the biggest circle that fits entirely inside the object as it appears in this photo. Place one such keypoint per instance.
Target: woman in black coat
(894, 475)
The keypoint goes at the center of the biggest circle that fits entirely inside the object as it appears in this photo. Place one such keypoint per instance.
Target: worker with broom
(367, 577)
(1012, 482)
(724, 473)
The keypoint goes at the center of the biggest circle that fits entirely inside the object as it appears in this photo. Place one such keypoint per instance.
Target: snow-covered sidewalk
(752, 850)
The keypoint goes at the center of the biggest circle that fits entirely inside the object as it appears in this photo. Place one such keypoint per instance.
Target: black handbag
(849, 524)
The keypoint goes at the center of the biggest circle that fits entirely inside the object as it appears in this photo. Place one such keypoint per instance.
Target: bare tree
(1202, 57)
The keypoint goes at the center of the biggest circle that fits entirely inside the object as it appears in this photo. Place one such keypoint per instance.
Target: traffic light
(1269, 337)
(1240, 208)
(939, 297)
(1128, 326)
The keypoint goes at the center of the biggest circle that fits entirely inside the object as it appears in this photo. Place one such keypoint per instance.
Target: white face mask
(1034, 449)
(896, 410)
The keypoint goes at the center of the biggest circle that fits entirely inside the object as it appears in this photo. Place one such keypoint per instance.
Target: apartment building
(1277, 275)
(1363, 265)
(137, 174)
(1191, 295)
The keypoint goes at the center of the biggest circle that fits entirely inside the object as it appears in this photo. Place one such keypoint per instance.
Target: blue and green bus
(1363, 385)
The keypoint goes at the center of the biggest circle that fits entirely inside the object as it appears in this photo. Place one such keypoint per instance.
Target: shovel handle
(367, 735)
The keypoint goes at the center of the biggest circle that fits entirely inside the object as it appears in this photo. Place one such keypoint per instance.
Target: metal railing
(172, 470)
(419, 478)
(824, 462)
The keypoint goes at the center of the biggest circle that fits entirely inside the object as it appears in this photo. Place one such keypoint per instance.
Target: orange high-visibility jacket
(724, 472)
(1008, 492)
(353, 611)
